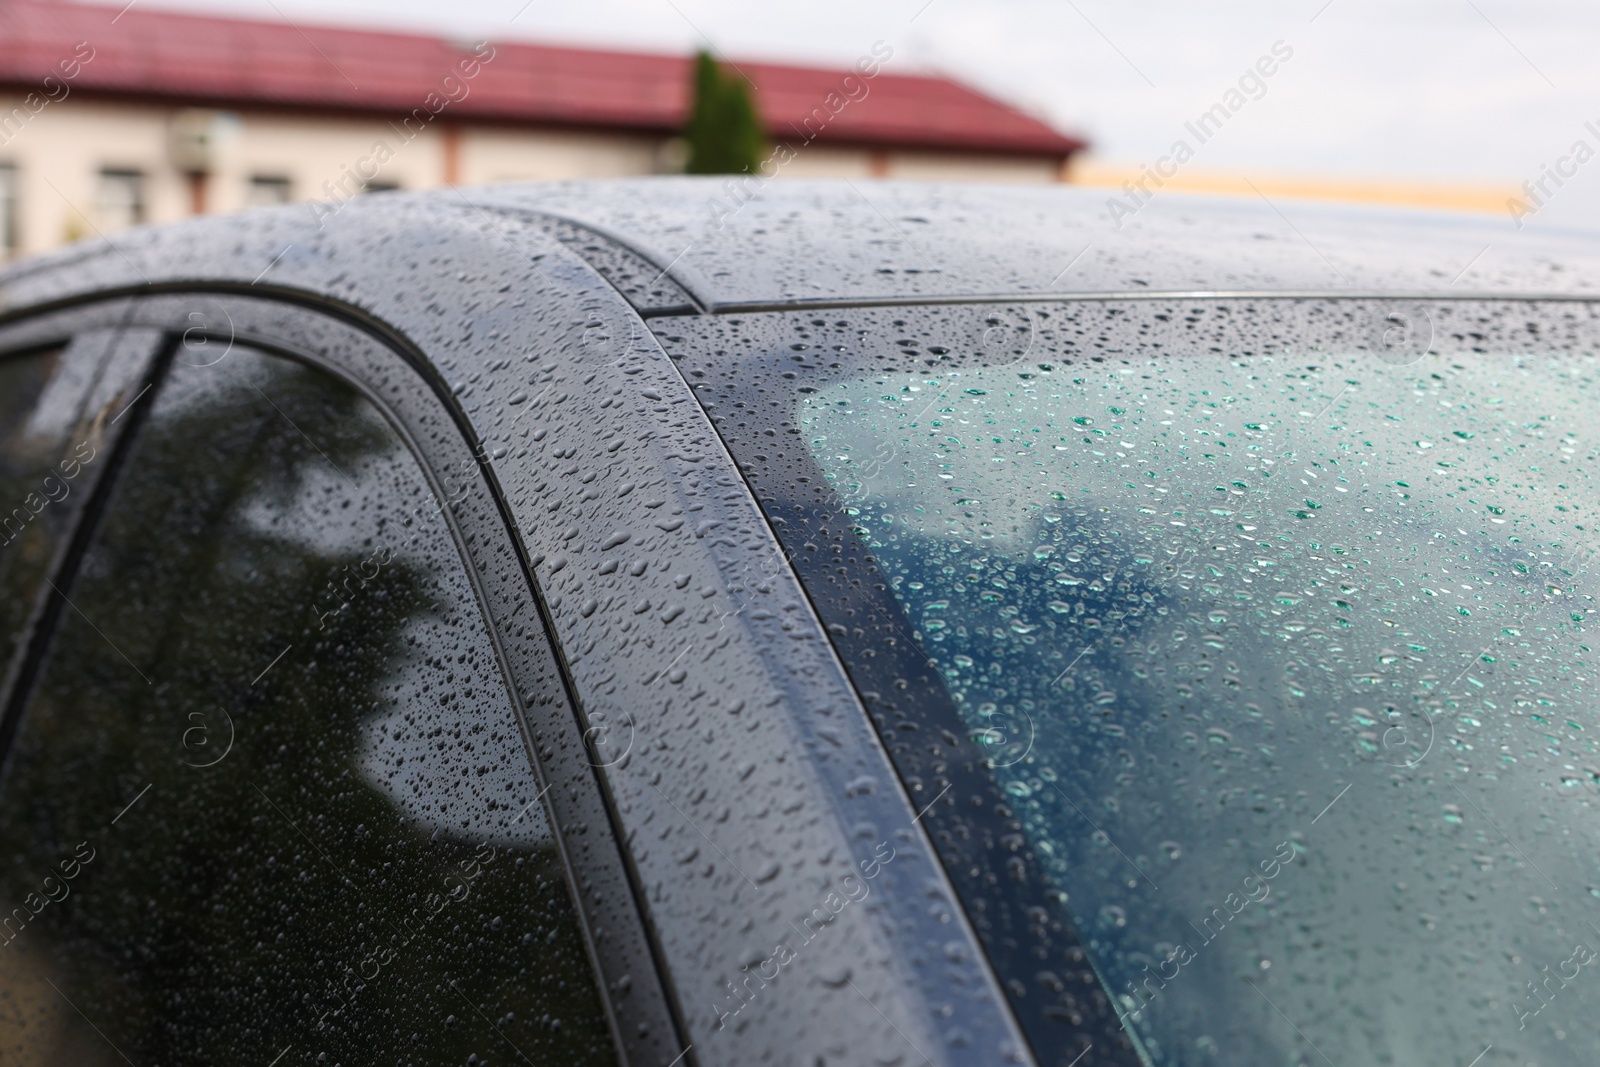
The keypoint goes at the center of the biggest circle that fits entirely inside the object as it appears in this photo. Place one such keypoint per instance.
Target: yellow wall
(1455, 197)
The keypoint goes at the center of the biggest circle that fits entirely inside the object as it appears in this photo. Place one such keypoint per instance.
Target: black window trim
(608, 898)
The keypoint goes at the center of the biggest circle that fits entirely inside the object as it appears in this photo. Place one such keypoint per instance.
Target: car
(713, 621)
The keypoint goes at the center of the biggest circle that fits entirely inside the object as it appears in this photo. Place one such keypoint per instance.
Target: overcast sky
(1472, 91)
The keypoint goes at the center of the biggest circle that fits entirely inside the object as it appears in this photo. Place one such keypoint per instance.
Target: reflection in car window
(270, 797)
(45, 441)
(1278, 647)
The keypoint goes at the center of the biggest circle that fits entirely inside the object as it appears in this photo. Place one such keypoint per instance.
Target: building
(114, 116)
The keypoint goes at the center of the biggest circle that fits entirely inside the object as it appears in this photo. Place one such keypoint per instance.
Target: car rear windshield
(1240, 646)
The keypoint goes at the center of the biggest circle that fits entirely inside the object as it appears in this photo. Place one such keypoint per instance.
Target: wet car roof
(671, 245)
(872, 241)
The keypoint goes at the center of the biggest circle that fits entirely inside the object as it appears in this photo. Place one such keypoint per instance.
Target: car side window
(269, 796)
(28, 479)
(56, 410)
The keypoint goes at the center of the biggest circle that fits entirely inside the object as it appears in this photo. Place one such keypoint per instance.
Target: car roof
(686, 244)
(740, 241)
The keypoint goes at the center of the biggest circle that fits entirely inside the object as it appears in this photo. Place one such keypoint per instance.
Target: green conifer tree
(724, 133)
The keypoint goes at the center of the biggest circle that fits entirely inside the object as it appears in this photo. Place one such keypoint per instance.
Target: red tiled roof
(238, 62)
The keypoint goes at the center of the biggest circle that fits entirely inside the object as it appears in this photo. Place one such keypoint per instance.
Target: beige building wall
(832, 161)
(59, 154)
(827, 161)
(503, 155)
(322, 158)
(937, 167)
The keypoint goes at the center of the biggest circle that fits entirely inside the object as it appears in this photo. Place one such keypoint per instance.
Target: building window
(380, 187)
(8, 210)
(120, 202)
(268, 191)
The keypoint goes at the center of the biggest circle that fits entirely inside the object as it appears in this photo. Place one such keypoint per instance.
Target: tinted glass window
(270, 797)
(1270, 623)
(56, 412)
(28, 457)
